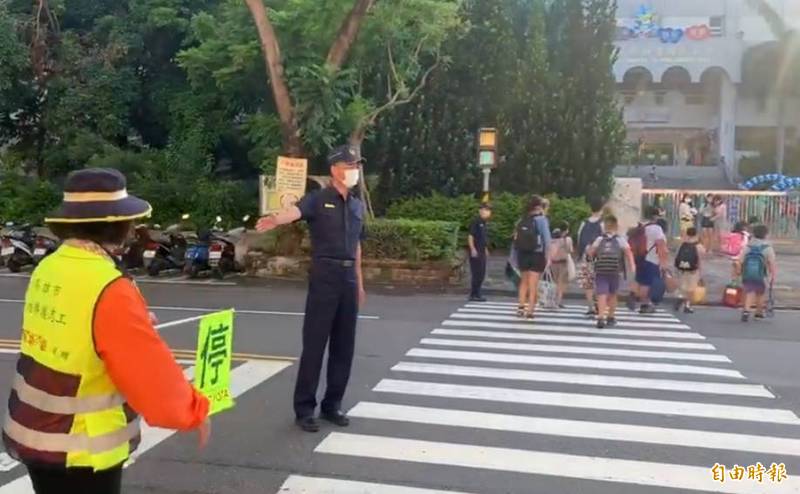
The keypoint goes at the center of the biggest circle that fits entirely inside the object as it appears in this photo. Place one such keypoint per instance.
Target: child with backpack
(687, 262)
(561, 249)
(590, 230)
(532, 243)
(611, 253)
(758, 267)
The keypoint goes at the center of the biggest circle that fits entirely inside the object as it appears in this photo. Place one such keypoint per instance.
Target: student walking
(561, 255)
(532, 242)
(649, 245)
(688, 262)
(590, 230)
(612, 252)
(758, 266)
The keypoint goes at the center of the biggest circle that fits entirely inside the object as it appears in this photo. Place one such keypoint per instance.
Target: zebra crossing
(499, 404)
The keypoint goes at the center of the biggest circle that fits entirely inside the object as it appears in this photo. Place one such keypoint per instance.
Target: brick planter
(388, 271)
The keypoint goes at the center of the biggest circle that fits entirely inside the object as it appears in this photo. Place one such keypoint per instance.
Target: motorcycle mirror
(246, 218)
(185, 216)
(219, 219)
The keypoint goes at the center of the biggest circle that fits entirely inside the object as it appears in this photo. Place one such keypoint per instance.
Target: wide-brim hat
(98, 195)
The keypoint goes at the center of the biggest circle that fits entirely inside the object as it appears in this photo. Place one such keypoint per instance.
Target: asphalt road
(452, 397)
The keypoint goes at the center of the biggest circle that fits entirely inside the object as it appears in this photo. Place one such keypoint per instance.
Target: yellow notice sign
(290, 180)
(212, 375)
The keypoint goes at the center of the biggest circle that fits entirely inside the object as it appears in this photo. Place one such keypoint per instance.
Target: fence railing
(778, 210)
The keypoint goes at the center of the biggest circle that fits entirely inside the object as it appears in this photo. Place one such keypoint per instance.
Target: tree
(781, 66)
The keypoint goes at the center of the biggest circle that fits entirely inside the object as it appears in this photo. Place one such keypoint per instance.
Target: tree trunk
(348, 33)
(290, 129)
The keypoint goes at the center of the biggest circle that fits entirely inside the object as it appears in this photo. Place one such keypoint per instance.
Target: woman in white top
(687, 213)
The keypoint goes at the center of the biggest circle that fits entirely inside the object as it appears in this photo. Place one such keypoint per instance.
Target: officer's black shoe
(477, 299)
(336, 418)
(308, 424)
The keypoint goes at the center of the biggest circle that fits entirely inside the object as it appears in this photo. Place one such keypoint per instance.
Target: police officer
(335, 217)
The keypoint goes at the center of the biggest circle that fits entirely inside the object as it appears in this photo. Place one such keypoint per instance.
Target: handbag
(572, 270)
(657, 290)
(547, 290)
(733, 295)
(698, 297)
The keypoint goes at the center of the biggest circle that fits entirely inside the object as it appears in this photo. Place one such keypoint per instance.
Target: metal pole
(486, 173)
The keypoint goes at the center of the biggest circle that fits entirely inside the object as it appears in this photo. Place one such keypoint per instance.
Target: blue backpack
(754, 267)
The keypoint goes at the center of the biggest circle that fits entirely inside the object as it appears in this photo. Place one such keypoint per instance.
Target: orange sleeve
(140, 363)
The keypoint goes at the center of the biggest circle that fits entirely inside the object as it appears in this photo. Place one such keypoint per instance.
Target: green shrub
(24, 200)
(412, 240)
(506, 211)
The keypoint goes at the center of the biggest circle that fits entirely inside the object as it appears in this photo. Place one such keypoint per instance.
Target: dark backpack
(688, 258)
(754, 267)
(589, 233)
(528, 238)
(638, 241)
(609, 257)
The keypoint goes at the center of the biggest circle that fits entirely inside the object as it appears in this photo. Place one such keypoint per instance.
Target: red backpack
(637, 239)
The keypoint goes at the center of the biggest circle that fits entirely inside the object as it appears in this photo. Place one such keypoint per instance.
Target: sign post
(487, 157)
(212, 375)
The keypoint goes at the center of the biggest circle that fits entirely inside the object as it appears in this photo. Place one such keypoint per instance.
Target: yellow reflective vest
(64, 410)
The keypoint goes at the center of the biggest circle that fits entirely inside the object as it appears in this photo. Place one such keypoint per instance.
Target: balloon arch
(779, 183)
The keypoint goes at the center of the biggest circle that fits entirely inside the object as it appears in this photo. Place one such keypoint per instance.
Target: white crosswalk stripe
(651, 381)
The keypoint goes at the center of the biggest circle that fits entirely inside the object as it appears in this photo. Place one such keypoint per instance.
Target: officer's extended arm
(284, 217)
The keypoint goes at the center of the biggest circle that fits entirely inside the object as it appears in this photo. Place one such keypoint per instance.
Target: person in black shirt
(478, 251)
(335, 218)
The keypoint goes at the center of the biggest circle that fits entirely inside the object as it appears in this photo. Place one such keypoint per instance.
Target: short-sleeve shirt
(654, 233)
(623, 244)
(769, 251)
(478, 231)
(336, 223)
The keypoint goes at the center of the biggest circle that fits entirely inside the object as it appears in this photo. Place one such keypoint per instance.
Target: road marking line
(510, 358)
(581, 311)
(211, 310)
(606, 431)
(570, 316)
(681, 477)
(571, 329)
(579, 322)
(189, 355)
(300, 484)
(589, 401)
(754, 390)
(495, 345)
(578, 339)
(243, 378)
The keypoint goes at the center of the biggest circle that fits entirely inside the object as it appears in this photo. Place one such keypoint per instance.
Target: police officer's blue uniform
(336, 225)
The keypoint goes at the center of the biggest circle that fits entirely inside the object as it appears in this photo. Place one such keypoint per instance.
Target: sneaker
(590, 313)
(562, 306)
(647, 309)
(631, 303)
(611, 322)
(679, 303)
(759, 315)
(601, 323)
(688, 310)
(745, 316)
(477, 299)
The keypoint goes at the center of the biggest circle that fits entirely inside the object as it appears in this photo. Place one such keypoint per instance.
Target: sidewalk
(717, 274)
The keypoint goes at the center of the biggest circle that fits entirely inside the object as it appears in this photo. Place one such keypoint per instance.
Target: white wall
(678, 113)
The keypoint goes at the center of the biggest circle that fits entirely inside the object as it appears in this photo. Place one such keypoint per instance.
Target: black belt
(345, 263)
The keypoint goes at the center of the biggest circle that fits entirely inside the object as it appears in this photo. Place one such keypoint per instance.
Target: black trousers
(477, 267)
(331, 316)
(49, 480)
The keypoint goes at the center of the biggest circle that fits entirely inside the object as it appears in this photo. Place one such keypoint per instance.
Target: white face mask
(351, 178)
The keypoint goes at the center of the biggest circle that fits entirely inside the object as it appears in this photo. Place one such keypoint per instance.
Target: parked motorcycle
(198, 251)
(16, 246)
(132, 255)
(222, 251)
(168, 251)
(43, 246)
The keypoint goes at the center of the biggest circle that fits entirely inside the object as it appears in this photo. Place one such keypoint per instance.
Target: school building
(683, 81)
